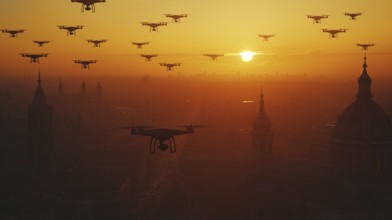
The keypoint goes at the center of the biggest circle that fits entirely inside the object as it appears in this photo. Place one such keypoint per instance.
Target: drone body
(71, 30)
(213, 57)
(85, 63)
(353, 16)
(148, 57)
(159, 136)
(266, 37)
(169, 66)
(154, 26)
(139, 45)
(176, 18)
(365, 46)
(13, 33)
(317, 18)
(41, 43)
(34, 58)
(334, 32)
(88, 5)
(96, 43)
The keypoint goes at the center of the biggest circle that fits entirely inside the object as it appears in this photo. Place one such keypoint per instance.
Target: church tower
(362, 138)
(262, 134)
(41, 149)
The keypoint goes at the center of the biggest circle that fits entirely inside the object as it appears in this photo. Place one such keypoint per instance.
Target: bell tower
(262, 135)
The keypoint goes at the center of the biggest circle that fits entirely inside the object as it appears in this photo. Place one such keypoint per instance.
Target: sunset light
(247, 56)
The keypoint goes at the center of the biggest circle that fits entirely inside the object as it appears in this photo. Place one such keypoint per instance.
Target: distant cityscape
(63, 155)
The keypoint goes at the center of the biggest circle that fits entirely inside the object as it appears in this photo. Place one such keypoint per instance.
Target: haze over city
(195, 109)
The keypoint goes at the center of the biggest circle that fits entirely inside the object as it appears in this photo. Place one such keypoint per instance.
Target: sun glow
(247, 56)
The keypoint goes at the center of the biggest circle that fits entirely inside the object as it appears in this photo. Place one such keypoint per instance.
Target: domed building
(362, 139)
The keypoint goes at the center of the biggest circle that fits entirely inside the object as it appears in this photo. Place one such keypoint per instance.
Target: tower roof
(39, 95)
(364, 120)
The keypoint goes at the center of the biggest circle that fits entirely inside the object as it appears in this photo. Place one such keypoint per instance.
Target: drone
(70, 29)
(148, 56)
(334, 32)
(317, 18)
(176, 18)
(213, 56)
(158, 136)
(97, 43)
(41, 43)
(169, 66)
(365, 46)
(353, 16)
(140, 44)
(88, 4)
(85, 63)
(34, 58)
(154, 26)
(266, 37)
(13, 33)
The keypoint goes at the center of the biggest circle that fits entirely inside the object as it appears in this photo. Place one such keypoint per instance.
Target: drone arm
(173, 147)
(93, 6)
(152, 145)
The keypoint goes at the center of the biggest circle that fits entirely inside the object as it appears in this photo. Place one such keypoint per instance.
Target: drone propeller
(193, 126)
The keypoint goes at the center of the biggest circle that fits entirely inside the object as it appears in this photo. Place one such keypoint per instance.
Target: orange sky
(227, 27)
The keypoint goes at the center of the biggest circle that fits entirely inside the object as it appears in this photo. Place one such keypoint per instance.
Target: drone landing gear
(155, 143)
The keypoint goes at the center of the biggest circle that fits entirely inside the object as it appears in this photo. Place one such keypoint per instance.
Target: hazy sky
(228, 27)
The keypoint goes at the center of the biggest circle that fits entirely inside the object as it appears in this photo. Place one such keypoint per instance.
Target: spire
(39, 95)
(99, 90)
(364, 83)
(60, 88)
(261, 102)
(83, 88)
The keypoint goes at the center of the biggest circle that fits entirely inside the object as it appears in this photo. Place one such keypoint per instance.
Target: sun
(247, 56)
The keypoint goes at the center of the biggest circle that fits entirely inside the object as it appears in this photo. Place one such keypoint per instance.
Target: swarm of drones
(89, 5)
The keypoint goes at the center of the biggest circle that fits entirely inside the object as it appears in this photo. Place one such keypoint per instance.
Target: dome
(364, 120)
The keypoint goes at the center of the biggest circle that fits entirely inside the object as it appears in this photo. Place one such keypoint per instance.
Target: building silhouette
(362, 139)
(355, 186)
(40, 134)
(262, 135)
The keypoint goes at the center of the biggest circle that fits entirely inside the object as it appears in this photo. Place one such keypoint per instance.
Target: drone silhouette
(176, 18)
(169, 66)
(334, 32)
(317, 18)
(158, 136)
(213, 57)
(34, 58)
(365, 46)
(41, 43)
(71, 30)
(85, 63)
(353, 16)
(88, 4)
(97, 43)
(139, 45)
(148, 56)
(13, 33)
(266, 37)
(154, 26)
